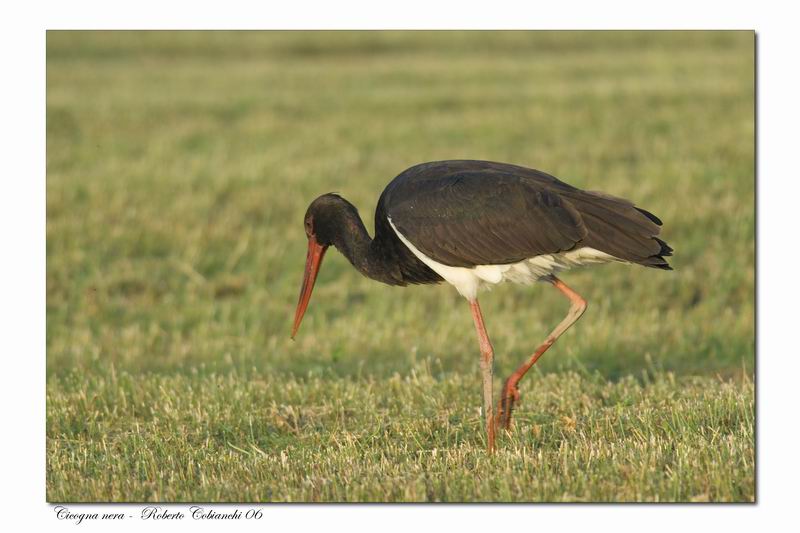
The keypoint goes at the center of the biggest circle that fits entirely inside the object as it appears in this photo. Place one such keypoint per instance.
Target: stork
(475, 224)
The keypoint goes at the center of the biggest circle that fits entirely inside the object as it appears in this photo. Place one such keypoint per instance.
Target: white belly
(468, 281)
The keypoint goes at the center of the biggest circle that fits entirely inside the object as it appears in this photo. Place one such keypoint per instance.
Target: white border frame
(23, 217)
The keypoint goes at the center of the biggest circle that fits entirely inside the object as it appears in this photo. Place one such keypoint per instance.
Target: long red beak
(313, 261)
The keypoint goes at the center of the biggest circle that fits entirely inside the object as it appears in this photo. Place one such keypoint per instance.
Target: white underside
(468, 281)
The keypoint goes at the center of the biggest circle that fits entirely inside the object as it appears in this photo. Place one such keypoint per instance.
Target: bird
(475, 224)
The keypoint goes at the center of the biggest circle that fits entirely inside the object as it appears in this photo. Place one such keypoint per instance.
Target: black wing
(466, 215)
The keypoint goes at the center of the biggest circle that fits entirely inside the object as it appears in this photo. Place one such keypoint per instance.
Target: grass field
(179, 166)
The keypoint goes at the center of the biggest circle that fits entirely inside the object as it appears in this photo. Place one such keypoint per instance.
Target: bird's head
(324, 222)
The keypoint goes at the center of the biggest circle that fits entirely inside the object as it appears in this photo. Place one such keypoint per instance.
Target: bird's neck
(364, 253)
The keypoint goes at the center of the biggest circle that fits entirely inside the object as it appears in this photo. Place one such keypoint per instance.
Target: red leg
(510, 394)
(487, 369)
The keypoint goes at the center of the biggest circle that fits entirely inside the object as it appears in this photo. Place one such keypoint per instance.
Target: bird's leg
(510, 393)
(487, 369)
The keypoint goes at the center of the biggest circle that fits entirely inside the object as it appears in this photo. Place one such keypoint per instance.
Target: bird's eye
(308, 227)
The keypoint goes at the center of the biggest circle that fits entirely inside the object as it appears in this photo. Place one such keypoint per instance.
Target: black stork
(476, 223)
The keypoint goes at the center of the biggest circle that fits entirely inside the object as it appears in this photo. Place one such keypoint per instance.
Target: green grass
(240, 437)
(179, 166)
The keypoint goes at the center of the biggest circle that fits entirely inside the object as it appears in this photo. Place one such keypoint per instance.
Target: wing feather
(465, 219)
(470, 213)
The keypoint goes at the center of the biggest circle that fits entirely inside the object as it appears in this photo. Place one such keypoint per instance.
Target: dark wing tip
(651, 216)
(656, 261)
(666, 249)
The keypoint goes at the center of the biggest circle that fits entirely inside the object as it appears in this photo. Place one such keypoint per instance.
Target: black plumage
(468, 213)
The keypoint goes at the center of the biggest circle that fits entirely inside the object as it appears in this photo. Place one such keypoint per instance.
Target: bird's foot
(505, 406)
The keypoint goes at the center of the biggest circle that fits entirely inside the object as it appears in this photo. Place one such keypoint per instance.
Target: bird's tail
(619, 228)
